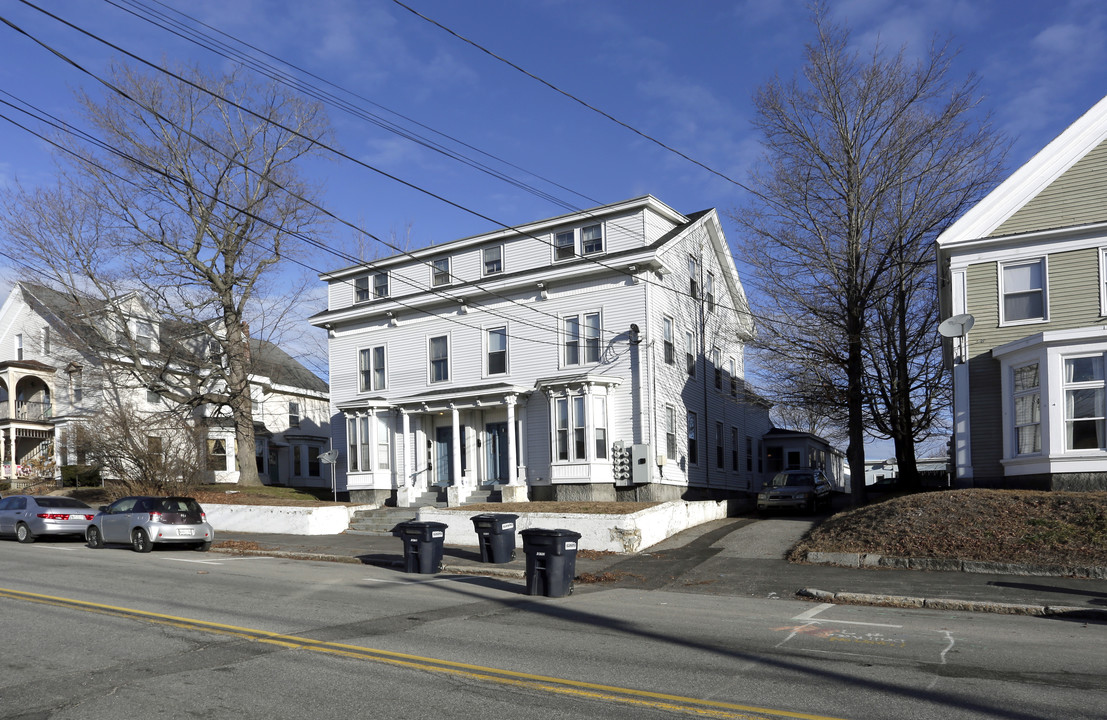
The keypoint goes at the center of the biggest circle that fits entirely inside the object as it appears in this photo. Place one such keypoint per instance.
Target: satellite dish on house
(328, 457)
(956, 326)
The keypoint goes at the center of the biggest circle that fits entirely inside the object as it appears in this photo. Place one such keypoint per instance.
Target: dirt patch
(1055, 528)
(237, 545)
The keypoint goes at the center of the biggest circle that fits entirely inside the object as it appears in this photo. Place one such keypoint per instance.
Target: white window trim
(449, 271)
(372, 368)
(582, 354)
(1103, 281)
(589, 401)
(1083, 385)
(449, 359)
(668, 340)
(484, 265)
(1012, 428)
(578, 242)
(1000, 266)
(485, 350)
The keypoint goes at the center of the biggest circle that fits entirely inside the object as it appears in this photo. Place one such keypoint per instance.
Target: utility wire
(572, 97)
(342, 155)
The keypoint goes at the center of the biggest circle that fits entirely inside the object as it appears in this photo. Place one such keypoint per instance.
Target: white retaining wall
(282, 519)
(614, 533)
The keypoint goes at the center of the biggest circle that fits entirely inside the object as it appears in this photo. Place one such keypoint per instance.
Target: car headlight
(803, 495)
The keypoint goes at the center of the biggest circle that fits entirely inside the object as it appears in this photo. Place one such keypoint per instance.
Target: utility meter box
(640, 459)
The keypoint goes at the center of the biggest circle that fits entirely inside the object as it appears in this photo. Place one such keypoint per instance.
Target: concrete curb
(872, 560)
(900, 601)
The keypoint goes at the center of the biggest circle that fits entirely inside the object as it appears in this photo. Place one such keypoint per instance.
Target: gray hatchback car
(143, 522)
(29, 516)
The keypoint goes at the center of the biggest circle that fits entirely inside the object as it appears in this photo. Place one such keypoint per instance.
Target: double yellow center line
(572, 688)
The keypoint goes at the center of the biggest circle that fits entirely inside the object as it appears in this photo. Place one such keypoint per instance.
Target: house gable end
(1077, 197)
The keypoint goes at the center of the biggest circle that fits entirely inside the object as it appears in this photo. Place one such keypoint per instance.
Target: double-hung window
(599, 420)
(384, 446)
(361, 289)
(719, 463)
(582, 338)
(351, 446)
(670, 432)
(693, 445)
(372, 369)
(493, 260)
(380, 285)
(293, 414)
(564, 245)
(690, 353)
(694, 278)
(670, 340)
(709, 291)
(1084, 403)
(217, 454)
(439, 351)
(1028, 409)
(497, 351)
(733, 379)
(440, 271)
(717, 361)
(1024, 291)
(734, 448)
(591, 240)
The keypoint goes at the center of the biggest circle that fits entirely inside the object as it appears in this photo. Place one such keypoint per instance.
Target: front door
(496, 456)
(443, 455)
(274, 466)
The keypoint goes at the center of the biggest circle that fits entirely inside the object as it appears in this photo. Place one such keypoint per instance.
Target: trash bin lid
(545, 532)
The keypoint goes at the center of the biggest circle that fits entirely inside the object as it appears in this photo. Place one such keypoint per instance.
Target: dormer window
(440, 272)
(144, 335)
(361, 289)
(493, 260)
(565, 245)
(380, 285)
(591, 240)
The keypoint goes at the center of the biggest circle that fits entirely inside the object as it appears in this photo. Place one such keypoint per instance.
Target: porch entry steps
(381, 520)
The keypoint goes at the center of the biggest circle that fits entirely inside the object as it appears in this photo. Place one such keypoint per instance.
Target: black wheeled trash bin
(551, 561)
(496, 535)
(422, 545)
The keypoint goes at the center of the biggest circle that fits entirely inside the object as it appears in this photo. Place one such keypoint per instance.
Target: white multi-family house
(1024, 291)
(594, 355)
(54, 377)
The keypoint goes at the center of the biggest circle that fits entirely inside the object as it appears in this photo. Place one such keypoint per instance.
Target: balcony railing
(29, 411)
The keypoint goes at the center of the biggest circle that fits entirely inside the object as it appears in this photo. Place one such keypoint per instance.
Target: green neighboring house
(1029, 265)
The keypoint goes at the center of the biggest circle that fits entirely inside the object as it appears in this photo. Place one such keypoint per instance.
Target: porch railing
(30, 411)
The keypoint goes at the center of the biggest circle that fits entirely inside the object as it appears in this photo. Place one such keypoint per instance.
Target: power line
(741, 311)
(572, 97)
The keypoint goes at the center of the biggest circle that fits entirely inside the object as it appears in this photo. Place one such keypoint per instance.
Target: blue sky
(683, 73)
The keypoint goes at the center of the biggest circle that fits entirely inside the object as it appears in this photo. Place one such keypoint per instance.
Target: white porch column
(407, 471)
(512, 468)
(14, 459)
(589, 425)
(455, 416)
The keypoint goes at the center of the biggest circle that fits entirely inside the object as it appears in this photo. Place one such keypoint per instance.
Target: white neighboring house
(50, 383)
(523, 359)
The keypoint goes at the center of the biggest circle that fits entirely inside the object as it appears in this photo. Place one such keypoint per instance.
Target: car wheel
(94, 538)
(203, 547)
(23, 533)
(140, 541)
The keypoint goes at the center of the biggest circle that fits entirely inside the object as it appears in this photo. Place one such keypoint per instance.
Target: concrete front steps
(380, 521)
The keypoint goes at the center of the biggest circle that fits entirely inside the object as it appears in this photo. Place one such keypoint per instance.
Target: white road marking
(813, 611)
(949, 638)
(56, 547)
(217, 562)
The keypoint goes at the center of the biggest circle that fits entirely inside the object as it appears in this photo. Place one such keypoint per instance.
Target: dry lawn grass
(987, 525)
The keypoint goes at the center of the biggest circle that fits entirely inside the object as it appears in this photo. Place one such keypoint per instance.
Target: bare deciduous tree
(867, 158)
(183, 210)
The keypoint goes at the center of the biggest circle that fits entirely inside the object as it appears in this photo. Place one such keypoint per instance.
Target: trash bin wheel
(512, 554)
(572, 586)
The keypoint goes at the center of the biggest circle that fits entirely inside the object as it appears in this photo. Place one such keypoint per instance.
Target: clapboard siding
(1077, 197)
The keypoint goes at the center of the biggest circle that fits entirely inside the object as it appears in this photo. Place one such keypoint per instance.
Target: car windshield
(60, 502)
(792, 480)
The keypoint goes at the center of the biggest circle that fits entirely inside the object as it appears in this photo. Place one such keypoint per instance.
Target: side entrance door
(443, 455)
(496, 456)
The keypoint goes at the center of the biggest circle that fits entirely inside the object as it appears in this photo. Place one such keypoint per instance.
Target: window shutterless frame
(1023, 291)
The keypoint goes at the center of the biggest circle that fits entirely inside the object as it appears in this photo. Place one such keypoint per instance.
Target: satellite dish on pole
(328, 457)
(956, 326)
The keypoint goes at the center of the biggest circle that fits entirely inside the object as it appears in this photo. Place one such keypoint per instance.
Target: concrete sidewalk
(733, 556)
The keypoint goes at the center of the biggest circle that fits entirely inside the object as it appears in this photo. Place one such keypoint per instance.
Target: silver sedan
(29, 516)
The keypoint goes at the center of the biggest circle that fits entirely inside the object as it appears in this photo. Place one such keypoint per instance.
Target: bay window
(1028, 410)
(1084, 403)
(580, 420)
